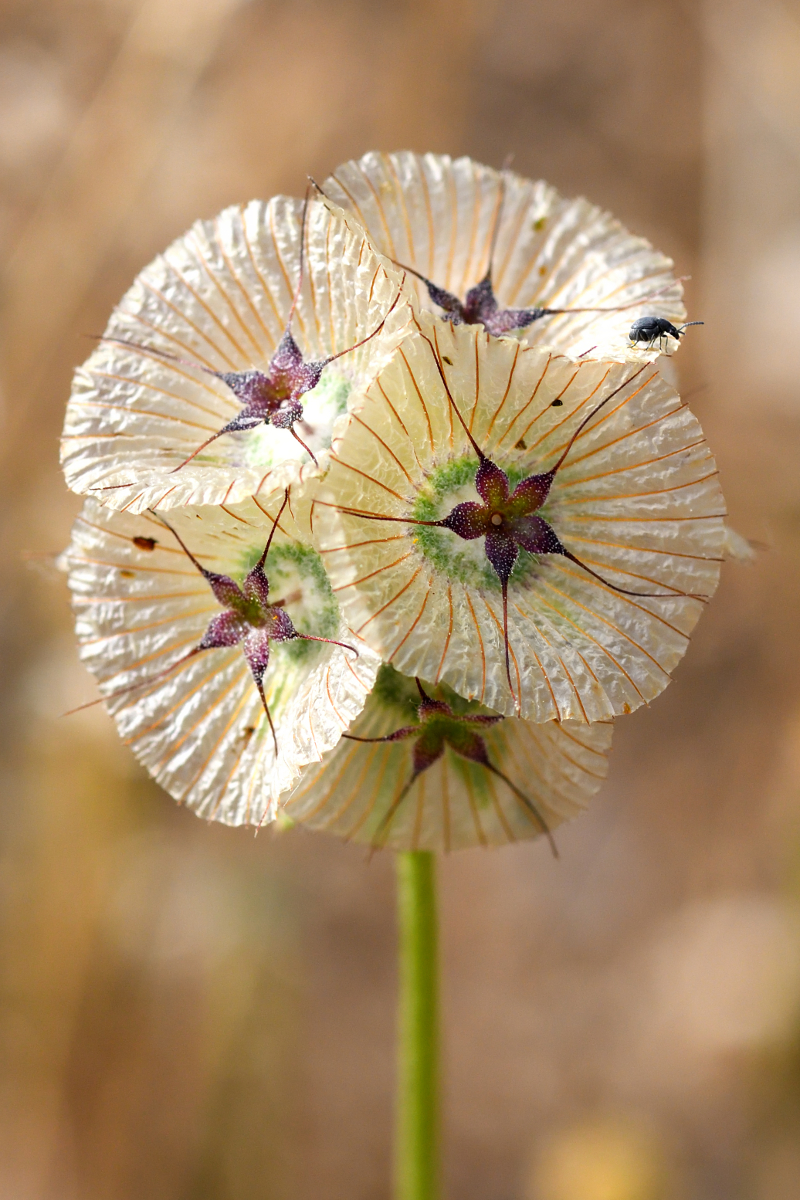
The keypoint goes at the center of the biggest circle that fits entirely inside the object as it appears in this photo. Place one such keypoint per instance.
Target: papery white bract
(201, 730)
(437, 215)
(599, 603)
(220, 297)
(455, 803)
(636, 499)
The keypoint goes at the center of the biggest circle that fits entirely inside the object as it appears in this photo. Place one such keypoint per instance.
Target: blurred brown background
(187, 1013)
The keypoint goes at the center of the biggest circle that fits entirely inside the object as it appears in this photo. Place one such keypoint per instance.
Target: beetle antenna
(688, 323)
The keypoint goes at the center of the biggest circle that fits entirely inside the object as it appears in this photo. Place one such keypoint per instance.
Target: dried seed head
(199, 345)
(361, 790)
(598, 617)
(165, 641)
(440, 217)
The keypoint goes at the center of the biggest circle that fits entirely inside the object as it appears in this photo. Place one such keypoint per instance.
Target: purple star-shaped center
(509, 521)
(271, 397)
(506, 519)
(438, 727)
(249, 619)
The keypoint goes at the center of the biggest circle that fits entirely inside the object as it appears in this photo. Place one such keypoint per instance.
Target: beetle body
(650, 330)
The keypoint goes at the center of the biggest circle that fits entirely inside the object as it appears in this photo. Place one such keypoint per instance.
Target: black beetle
(654, 329)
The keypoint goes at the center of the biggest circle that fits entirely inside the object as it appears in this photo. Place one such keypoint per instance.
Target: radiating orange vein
(206, 266)
(598, 498)
(420, 397)
(199, 774)
(633, 433)
(151, 387)
(145, 351)
(378, 571)
(367, 476)
(411, 627)
(389, 602)
(387, 448)
(179, 703)
(565, 570)
(644, 549)
(399, 537)
(283, 270)
(109, 406)
(449, 635)
(605, 621)
(244, 291)
(207, 307)
(499, 408)
(188, 321)
(480, 643)
(266, 290)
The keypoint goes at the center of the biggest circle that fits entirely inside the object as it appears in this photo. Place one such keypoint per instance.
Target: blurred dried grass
(189, 1014)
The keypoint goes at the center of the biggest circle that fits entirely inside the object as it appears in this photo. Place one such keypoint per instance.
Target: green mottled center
(458, 559)
(296, 574)
(398, 694)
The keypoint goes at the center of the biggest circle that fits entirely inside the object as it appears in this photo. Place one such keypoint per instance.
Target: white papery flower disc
(436, 214)
(454, 804)
(219, 297)
(637, 500)
(201, 731)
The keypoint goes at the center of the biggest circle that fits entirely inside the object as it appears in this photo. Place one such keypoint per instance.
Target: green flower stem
(417, 1147)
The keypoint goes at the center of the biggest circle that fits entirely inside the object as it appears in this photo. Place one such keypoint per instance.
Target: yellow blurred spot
(600, 1160)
